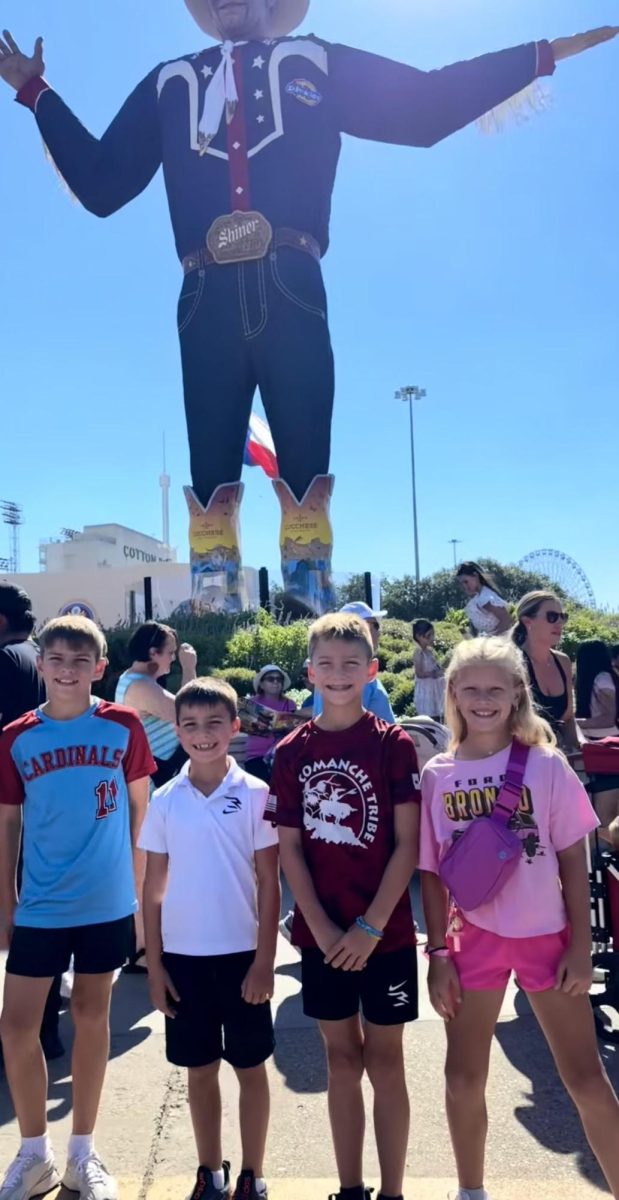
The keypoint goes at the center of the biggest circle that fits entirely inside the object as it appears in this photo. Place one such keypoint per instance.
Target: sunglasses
(272, 678)
(553, 617)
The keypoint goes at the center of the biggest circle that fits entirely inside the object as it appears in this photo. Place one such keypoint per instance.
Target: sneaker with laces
(205, 1188)
(29, 1175)
(89, 1177)
(246, 1188)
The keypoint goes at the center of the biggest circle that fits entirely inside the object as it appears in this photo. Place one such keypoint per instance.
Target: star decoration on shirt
(258, 95)
(207, 72)
(259, 62)
(260, 119)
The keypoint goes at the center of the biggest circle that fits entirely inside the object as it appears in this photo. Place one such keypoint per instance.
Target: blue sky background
(488, 274)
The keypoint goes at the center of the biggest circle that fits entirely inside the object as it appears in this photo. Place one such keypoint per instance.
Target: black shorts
(96, 949)
(213, 1020)
(385, 991)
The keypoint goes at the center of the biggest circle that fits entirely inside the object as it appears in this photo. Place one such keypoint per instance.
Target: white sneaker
(89, 1177)
(462, 1194)
(29, 1175)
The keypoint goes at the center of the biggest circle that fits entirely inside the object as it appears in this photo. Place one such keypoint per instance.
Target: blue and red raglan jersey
(72, 779)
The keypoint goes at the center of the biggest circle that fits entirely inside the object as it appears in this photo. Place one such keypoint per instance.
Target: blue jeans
(255, 325)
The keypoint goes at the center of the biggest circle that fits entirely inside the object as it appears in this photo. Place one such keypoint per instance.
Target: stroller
(601, 763)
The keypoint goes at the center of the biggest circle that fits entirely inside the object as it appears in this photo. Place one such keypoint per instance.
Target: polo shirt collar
(233, 777)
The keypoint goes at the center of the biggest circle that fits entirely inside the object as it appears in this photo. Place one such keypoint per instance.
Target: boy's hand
(258, 984)
(16, 68)
(328, 936)
(444, 988)
(161, 989)
(352, 951)
(569, 46)
(575, 972)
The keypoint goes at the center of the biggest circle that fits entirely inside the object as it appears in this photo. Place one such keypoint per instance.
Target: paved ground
(536, 1145)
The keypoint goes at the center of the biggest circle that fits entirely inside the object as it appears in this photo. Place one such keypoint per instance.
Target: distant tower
(164, 483)
(12, 515)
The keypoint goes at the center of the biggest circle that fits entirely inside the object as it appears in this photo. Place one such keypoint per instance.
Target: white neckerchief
(220, 94)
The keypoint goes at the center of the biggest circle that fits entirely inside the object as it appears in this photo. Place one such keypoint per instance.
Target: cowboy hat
(270, 669)
(287, 14)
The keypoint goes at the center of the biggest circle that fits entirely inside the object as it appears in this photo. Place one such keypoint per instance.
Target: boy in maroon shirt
(346, 800)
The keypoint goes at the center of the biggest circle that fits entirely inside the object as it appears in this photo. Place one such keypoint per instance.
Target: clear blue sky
(487, 274)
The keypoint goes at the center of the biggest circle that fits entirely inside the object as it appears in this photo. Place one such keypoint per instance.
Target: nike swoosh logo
(397, 986)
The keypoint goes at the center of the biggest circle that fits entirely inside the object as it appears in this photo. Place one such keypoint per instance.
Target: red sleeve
(285, 803)
(29, 94)
(403, 768)
(138, 761)
(546, 64)
(11, 785)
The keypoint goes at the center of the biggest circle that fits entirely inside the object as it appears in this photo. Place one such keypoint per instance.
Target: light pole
(455, 542)
(408, 394)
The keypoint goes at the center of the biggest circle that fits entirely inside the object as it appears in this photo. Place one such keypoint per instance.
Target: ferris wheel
(563, 571)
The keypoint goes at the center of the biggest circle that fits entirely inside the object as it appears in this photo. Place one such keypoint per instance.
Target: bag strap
(508, 798)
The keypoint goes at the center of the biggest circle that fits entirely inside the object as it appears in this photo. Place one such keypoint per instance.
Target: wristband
(377, 934)
(437, 952)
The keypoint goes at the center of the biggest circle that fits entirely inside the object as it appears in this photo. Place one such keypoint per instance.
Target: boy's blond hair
(345, 627)
(206, 692)
(77, 631)
(525, 723)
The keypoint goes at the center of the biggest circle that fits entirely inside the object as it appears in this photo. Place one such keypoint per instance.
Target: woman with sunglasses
(270, 684)
(540, 623)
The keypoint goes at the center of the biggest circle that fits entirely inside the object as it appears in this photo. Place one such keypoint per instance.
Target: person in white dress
(429, 677)
(486, 608)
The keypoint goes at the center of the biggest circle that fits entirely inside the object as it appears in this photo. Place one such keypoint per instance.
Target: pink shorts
(485, 961)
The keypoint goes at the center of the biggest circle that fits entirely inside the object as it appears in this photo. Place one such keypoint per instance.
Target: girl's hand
(352, 951)
(16, 68)
(569, 46)
(575, 972)
(444, 988)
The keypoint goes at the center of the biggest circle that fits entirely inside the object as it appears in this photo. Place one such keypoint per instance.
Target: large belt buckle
(239, 237)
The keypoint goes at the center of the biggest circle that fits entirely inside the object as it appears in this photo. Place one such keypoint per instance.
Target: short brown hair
(207, 692)
(345, 627)
(77, 631)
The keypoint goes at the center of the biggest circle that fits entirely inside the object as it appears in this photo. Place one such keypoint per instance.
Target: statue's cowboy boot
(306, 543)
(215, 550)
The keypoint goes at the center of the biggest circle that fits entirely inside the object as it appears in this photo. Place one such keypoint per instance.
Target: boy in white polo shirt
(211, 908)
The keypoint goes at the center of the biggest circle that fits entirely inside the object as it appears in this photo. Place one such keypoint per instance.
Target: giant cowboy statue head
(248, 19)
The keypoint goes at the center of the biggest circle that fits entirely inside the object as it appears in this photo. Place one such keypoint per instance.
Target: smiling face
(340, 669)
(545, 627)
(272, 684)
(485, 696)
(205, 732)
(236, 19)
(68, 670)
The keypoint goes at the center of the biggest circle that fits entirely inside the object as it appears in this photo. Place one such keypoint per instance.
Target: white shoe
(89, 1177)
(29, 1175)
(462, 1194)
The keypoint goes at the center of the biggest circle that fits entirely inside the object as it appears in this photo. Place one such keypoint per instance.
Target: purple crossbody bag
(478, 864)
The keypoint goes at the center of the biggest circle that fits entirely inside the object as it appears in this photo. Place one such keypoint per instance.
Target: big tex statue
(248, 132)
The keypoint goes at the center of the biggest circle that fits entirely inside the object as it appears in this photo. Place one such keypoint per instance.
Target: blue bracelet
(377, 934)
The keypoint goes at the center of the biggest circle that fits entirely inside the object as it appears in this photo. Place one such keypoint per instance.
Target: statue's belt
(246, 237)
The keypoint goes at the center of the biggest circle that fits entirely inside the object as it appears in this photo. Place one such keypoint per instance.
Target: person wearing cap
(375, 698)
(21, 691)
(270, 684)
(249, 135)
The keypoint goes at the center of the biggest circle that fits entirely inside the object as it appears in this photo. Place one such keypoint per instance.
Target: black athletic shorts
(96, 949)
(212, 1019)
(385, 991)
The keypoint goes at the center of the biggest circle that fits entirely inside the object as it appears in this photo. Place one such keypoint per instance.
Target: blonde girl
(536, 927)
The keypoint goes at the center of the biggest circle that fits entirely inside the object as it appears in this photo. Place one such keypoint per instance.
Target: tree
(435, 595)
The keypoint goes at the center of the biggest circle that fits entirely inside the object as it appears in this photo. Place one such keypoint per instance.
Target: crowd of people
(110, 863)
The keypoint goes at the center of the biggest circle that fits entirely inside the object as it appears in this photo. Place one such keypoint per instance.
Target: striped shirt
(161, 734)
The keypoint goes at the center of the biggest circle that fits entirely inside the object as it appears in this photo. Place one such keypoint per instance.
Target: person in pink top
(537, 926)
(269, 685)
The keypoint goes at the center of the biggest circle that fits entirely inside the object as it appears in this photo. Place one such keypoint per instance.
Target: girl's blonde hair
(524, 724)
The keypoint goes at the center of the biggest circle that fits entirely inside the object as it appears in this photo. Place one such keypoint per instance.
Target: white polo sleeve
(265, 834)
(153, 834)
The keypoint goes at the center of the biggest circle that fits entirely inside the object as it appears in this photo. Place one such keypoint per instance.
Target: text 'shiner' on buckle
(239, 237)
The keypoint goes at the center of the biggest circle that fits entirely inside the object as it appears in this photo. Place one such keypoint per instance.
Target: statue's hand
(567, 47)
(16, 68)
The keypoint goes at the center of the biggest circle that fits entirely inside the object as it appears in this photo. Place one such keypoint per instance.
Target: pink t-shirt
(554, 813)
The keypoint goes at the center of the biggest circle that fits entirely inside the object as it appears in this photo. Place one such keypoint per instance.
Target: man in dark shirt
(249, 136)
(21, 690)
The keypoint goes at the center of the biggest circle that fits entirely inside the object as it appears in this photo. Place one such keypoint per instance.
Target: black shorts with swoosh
(385, 991)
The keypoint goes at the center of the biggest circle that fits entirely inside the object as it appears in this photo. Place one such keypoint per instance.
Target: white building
(102, 546)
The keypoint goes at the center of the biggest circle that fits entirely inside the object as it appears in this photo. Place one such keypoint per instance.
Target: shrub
(240, 678)
(403, 661)
(265, 641)
(402, 696)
